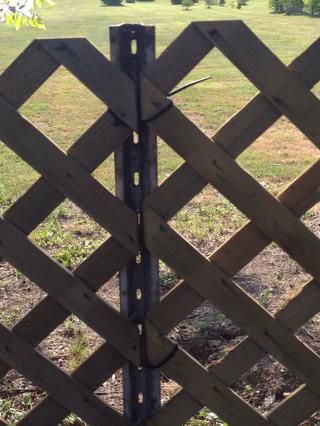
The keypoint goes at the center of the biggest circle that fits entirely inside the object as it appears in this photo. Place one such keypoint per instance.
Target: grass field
(63, 109)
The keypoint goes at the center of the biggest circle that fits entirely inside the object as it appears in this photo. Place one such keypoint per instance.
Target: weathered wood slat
(190, 47)
(211, 162)
(69, 291)
(177, 411)
(295, 408)
(236, 252)
(26, 74)
(49, 412)
(234, 136)
(68, 176)
(92, 148)
(215, 286)
(202, 385)
(299, 197)
(64, 389)
(93, 69)
(48, 314)
(287, 92)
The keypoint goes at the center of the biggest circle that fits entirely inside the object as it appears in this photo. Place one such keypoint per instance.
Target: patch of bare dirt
(207, 334)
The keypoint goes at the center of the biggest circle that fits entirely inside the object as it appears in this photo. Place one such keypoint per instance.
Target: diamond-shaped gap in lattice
(168, 160)
(70, 344)
(63, 108)
(16, 177)
(266, 384)
(309, 333)
(18, 396)
(69, 235)
(168, 278)
(105, 173)
(279, 156)
(18, 295)
(168, 388)
(111, 391)
(272, 277)
(208, 220)
(210, 103)
(110, 292)
(206, 333)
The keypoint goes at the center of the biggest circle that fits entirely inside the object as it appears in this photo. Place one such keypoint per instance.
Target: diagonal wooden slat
(68, 176)
(48, 314)
(295, 409)
(248, 413)
(247, 52)
(228, 297)
(49, 412)
(234, 136)
(67, 391)
(211, 162)
(190, 47)
(91, 149)
(69, 291)
(37, 66)
(247, 353)
(201, 384)
(236, 252)
(95, 71)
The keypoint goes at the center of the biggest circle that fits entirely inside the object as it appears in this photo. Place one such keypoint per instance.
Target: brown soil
(206, 333)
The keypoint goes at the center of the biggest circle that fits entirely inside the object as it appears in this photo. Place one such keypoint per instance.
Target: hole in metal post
(138, 294)
(136, 179)
(135, 138)
(140, 398)
(138, 258)
(140, 329)
(133, 47)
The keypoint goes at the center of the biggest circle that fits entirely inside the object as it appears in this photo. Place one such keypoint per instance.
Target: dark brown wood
(96, 72)
(68, 290)
(26, 74)
(65, 390)
(68, 176)
(139, 224)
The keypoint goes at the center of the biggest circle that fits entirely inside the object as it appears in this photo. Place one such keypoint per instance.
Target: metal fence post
(132, 47)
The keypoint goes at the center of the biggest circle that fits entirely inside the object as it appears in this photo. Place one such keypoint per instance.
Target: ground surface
(63, 109)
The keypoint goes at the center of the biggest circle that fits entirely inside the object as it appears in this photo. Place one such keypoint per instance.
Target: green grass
(63, 109)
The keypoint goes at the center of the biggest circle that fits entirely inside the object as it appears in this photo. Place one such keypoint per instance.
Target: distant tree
(312, 7)
(209, 3)
(277, 6)
(23, 12)
(186, 4)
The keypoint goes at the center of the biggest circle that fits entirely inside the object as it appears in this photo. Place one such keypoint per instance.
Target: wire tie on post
(160, 113)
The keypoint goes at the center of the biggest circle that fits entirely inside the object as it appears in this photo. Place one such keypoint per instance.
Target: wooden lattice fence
(139, 103)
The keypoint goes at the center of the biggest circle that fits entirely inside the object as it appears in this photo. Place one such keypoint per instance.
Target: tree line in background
(291, 7)
(186, 4)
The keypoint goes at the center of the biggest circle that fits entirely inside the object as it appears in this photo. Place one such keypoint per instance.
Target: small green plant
(8, 411)
(264, 297)
(73, 420)
(26, 401)
(78, 349)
